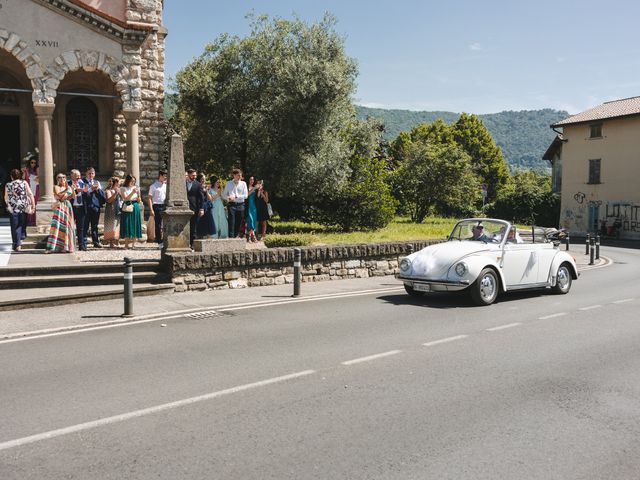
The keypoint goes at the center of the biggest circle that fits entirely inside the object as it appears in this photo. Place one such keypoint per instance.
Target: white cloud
(475, 47)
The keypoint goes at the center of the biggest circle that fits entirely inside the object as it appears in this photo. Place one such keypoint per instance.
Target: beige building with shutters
(596, 167)
(82, 80)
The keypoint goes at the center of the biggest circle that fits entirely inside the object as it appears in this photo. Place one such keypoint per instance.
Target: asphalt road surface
(377, 386)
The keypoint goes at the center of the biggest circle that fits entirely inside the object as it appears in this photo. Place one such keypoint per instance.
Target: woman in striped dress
(112, 212)
(63, 227)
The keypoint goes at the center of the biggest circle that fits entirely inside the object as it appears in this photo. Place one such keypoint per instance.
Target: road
(376, 386)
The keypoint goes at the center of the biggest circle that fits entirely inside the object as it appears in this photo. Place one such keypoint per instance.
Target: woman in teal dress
(130, 222)
(214, 194)
(252, 212)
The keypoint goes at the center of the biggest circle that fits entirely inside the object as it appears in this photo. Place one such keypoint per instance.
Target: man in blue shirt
(94, 198)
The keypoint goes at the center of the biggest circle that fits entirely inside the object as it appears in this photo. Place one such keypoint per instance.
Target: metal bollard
(567, 242)
(597, 247)
(586, 245)
(128, 288)
(297, 272)
(592, 241)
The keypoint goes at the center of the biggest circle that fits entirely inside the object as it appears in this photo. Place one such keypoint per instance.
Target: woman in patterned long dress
(30, 175)
(130, 222)
(112, 212)
(63, 228)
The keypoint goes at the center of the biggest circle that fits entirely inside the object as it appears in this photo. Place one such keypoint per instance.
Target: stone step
(79, 280)
(18, 299)
(93, 269)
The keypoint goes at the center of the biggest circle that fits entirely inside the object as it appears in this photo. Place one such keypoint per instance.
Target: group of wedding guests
(247, 207)
(77, 207)
(78, 202)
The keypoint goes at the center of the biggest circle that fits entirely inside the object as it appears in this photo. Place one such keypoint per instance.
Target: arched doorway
(83, 123)
(17, 121)
(82, 134)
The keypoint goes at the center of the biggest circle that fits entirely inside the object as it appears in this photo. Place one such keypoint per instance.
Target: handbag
(269, 210)
(127, 208)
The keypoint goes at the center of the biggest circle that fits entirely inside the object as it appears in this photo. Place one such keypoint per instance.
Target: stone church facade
(82, 80)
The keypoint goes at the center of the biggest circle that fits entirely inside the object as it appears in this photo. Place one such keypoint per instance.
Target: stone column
(44, 115)
(133, 148)
(175, 219)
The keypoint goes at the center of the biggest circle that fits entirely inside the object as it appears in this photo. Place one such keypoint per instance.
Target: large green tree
(435, 179)
(274, 103)
(364, 201)
(488, 162)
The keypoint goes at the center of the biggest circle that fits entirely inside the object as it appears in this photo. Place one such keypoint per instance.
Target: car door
(546, 254)
(519, 264)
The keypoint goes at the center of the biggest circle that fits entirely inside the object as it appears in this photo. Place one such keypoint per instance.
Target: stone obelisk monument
(176, 217)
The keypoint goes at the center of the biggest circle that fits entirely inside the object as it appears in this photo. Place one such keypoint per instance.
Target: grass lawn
(292, 233)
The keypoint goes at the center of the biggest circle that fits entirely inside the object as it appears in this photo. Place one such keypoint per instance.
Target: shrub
(530, 200)
(290, 240)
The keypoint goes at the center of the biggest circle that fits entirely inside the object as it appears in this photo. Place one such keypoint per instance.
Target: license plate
(419, 287)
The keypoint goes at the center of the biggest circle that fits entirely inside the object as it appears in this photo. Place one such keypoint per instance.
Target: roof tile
(612, 109)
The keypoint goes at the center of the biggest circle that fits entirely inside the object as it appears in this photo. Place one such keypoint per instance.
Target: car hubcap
(563, 278)
(488, 287)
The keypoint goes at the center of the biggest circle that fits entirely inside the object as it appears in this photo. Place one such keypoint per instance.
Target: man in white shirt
(155, 200)
(235, 193)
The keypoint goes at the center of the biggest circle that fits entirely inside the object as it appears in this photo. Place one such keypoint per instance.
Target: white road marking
(89, 327)
(624, 300)
(502, 327)
(590, 307)
(553, 315)
(371, 357)
(445, 340)
(146, 411)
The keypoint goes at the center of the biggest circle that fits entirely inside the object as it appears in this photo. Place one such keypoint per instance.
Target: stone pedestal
(176, 235)
(220, 245)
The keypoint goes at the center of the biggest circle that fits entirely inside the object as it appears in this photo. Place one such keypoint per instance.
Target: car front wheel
(563, 280)
(484, 290)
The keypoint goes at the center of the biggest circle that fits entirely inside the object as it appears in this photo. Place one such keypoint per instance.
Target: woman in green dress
(130, 222)
(252, 213)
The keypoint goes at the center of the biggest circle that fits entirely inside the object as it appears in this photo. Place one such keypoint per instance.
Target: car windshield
(480, 230)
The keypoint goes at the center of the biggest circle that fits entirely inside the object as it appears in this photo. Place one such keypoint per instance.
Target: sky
(453, 55)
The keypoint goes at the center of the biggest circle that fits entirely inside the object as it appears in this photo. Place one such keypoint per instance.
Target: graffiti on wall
(620, 216)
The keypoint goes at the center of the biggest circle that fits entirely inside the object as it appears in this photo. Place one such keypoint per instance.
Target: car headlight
(405, 265)
(461, 269)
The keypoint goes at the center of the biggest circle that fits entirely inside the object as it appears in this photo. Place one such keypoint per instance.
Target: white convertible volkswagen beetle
(487, 256)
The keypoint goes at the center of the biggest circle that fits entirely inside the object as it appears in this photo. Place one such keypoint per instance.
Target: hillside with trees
(523, 136)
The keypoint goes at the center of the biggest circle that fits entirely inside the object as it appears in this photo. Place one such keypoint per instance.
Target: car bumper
(423, 285)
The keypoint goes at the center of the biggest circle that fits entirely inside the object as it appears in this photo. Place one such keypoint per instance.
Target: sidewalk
(109, 311)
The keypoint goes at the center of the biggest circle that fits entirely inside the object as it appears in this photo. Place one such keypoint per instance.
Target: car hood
(435, 260)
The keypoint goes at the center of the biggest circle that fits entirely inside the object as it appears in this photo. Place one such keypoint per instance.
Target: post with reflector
(297, 272)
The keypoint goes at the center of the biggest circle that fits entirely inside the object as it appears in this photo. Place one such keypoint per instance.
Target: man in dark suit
(196, 197)
(94, 199)
(79, 207)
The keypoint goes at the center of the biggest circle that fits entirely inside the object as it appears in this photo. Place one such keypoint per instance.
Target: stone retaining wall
(274, 266)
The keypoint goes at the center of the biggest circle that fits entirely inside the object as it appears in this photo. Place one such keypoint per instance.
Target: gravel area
(146, 251)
